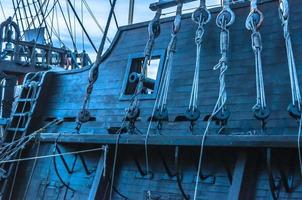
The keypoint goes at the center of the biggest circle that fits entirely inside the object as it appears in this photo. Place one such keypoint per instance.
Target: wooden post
(238, 177)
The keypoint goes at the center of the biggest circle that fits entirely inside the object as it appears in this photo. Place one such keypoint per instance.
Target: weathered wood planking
(65, 96)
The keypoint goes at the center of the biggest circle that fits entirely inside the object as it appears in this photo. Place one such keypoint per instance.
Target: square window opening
(135, 72)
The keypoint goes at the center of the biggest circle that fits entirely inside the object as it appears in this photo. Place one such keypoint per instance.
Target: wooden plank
(283, 141)
(166, 4)
(97, 179)
(238, 176)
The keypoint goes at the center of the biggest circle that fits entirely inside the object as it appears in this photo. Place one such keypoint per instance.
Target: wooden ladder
(24, 107)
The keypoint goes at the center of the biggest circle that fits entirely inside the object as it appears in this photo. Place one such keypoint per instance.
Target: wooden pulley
(133, 113)
(222, 116)
(201, 15)
(84, 116)
(225, 17)
(192, 114)
(160, 115)
(261, 113)
(294, 110)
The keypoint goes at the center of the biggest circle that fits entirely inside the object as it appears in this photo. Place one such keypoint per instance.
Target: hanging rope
(200, 16)
(3, 13)
(294, 108)
(253, 23)
(224, 20)
(161, 112)
(133, 111)
(84, 114)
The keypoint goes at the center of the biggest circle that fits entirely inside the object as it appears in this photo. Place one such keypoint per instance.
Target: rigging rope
(84, 114)
(133, 111)
(200, 16)
(253, 23)
(3, 13)
(294, 108)
(224, 19)
(161, 112)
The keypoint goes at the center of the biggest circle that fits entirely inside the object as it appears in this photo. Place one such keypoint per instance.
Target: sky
(100, 9)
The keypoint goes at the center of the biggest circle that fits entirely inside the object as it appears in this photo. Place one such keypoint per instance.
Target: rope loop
(199, 34)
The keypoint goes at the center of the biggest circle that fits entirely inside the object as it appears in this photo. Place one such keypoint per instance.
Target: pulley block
(192, 114)
(261, 113)
(294, 111)
(225, 17)
(201, 14)
(84, 116)
(221, 118)
(160, 115)
(254, 19)
(133, 114)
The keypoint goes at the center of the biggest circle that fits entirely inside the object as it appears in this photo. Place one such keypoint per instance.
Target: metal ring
(226, 14)
(201, 14)
(255, 17)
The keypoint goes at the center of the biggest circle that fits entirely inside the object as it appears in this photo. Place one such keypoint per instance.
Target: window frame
(131, 57)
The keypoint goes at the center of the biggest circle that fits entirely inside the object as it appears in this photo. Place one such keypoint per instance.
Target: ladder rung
(25, 100)
(17, 129)
(21, 114)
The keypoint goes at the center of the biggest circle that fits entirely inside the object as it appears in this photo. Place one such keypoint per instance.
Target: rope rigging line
(25, 12)
(294, 108)
(161, 112)
(66, 23)
(94, 18)
(30, 12)
(52, 155)
(44, 18)
(3, 13)
(84, 114)
(201, 16)
(253, 23)
(172, 45)
(133, 110)
(82, 26)
(224, 19)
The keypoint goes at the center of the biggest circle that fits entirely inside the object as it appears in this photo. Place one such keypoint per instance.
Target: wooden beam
(166, 4)
(284, 141)
(238, 177)
(12, 67)
(97, 179)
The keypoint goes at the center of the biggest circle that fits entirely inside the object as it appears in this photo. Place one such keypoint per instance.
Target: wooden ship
(155, 117)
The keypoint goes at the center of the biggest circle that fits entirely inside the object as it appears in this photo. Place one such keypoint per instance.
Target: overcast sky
(100, 9)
